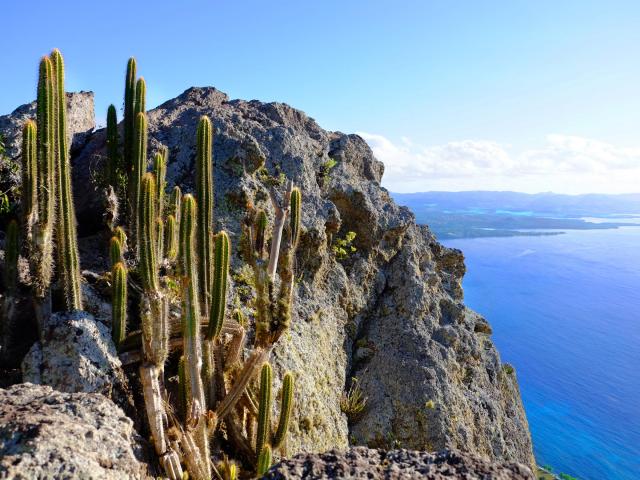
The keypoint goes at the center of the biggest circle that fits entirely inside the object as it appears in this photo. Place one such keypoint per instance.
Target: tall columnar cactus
(219, 289)
(296, 212)
(261, 230)
(118, 232)
(129, 114)
(66, 225)
(114, 167)
(204, 194)
(115, 251)
(160, 171)
(42, 257)
(191, 323)
(141, 96)
(147, 234)
(171, 239)
(118, 302)
(264, 409)
(286, 405)
(175, 202)
(139, 168)
(29, 180)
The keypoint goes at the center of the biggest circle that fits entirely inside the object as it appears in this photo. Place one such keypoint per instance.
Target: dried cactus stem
(282, 211)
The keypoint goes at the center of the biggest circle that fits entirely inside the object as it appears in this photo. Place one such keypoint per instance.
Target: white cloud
(563, 163)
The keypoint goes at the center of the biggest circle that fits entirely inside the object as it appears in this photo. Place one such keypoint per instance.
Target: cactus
(139, 167)
(147, 234)
(118, 302)
(264, 408)
(66, 233)
(118, 232)
(141, 94)
(29, 180)
(175, 202)
(114, 169)
(115, 251)
(11, 254)
(264, 461)
(129, 114)
(261, 230)
(171, 239)
(204, 194)
(219, 289)
(191, 324)
(42, 258)
(160, 244)
(296, 212)
(286, 405)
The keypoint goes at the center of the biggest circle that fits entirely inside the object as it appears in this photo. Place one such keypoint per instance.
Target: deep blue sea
(565, 312)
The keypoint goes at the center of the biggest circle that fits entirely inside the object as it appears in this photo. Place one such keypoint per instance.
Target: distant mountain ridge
(592, 204)
(504, 214)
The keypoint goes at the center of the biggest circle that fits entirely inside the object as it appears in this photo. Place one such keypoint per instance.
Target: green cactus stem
(115, 251)
(171, 239)
(139, 168)
(286, 406)
(129, 114)
(160, 171)
(261, 230)
(119, 233)
(220, 280)
(175, 202)
(66, 228)
(264, 408)
(118, 303)
(296, 213)
(147, 234)
(114, 169)
(141, 94)
(29, 180)
(264, 461)
(204, 194)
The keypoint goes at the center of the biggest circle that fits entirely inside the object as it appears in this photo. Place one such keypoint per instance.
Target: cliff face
(390, 314)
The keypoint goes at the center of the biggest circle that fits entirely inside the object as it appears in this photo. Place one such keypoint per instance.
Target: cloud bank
(562, 163)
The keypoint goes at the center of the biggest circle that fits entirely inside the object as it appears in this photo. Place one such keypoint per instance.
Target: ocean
(565, 311)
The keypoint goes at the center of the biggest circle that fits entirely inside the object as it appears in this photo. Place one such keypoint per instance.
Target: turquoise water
(565, 312)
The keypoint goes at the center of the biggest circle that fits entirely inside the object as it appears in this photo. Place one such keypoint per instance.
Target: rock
(77, 355)
(391, 313)
(364, 463)
(48, 434)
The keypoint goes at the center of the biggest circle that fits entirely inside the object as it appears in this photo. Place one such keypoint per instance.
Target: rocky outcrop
(76, 354)
(391, 313)
(364, 463)
(48, 434)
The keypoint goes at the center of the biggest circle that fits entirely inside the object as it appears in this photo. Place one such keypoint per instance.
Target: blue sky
(523, 95)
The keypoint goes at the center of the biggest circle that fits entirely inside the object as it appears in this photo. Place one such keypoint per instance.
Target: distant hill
(490, 214)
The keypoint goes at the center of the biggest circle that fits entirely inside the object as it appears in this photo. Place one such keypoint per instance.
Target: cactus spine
(114, 168)
(119, 302)
(66, 235)
(264, 408)
(219, 289)
(286, 405)
(296, 212)
(204, 194)
(264, 461)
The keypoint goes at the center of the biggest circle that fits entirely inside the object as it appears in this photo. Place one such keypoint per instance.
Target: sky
(516, 95)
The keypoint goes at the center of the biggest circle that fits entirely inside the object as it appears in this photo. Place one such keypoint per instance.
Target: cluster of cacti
(175, 244)
(223, 410)
(49, 224)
